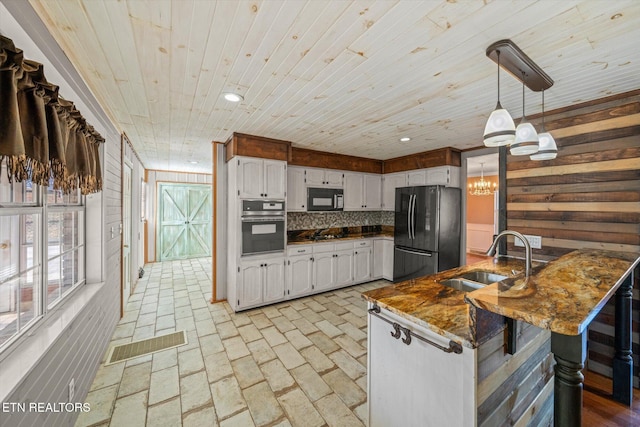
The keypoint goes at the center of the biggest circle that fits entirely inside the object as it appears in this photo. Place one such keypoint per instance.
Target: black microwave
(325, 199)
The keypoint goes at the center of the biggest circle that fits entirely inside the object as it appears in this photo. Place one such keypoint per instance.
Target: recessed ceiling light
(193, 162)
(405, 139)
(233, 97)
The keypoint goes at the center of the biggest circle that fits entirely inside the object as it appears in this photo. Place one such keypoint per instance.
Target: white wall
(89, 316)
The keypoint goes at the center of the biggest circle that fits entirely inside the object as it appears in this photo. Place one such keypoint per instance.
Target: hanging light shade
(547, 149)
(526, 141)
(500, 129)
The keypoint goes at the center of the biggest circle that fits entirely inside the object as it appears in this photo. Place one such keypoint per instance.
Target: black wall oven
(263, 223)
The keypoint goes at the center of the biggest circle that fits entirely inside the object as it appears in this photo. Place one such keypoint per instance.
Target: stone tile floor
(297, 363)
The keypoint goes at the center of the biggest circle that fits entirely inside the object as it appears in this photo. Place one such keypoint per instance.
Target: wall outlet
(72, 389)
(534, 241)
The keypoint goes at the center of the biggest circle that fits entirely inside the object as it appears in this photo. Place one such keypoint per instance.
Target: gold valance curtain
(42, 136)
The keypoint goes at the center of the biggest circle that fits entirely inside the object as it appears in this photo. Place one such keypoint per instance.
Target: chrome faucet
(527, 248)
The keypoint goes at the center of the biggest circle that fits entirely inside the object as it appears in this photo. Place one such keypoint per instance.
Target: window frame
(41, 207)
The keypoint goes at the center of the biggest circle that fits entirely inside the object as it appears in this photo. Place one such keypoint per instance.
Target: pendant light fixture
(526, 141)
(548, 149)
(500, 129)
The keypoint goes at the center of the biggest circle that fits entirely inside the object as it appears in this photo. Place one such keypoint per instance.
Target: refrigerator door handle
(413, 216)
(409, 216)
(427, 254)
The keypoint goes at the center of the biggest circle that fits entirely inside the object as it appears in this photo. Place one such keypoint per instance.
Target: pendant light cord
(498, 52)
(543, 129)
(524, 117)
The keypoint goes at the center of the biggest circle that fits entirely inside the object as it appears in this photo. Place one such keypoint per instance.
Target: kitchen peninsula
(483, 384)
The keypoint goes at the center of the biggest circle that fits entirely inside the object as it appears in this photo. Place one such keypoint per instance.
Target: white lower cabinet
(260, 281)
(323, 271)
(362, 264)
(299, 275)
(273, 280)
(378, 258)
(343, 268)
(332, 269)
(250, 283)
(387, 261)
(417, 384)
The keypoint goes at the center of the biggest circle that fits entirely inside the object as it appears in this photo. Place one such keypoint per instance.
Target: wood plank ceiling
(349, 77)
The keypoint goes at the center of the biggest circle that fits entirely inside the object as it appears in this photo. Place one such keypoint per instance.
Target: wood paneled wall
(241, 144)
(441, 157)
(588, 197)
(322, 159)
(257, 146)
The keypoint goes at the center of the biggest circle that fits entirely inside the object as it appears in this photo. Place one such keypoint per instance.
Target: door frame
(501, 225)
(127, 223)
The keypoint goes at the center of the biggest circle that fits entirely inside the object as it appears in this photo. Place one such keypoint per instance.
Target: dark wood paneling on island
(588, 197)
(519, 386)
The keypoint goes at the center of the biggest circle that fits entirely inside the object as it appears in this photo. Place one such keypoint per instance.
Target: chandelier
(482, 187)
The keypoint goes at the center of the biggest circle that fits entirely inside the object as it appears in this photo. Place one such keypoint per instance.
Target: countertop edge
(422, 323)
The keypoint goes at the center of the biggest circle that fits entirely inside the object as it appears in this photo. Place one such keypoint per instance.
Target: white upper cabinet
(444, 175)
(417, 177)
(362, 192)
(324, 178)
(353, 191)
(275, 179)
(372, 192)
(250, 178)
(260, 178)
(353, 186)
(296, 189)
(389, 184)
(334, 178)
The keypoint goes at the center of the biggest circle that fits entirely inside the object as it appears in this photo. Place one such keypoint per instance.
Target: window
(36, 224)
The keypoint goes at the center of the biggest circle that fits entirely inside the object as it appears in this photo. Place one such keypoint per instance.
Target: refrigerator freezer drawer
(411, 264)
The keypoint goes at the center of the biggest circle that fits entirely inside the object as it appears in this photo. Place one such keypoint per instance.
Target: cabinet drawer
(362, 244)
(319, 248)
(299, 250)
(343, 246)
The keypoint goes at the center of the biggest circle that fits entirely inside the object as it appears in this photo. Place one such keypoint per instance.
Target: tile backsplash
(313, 220)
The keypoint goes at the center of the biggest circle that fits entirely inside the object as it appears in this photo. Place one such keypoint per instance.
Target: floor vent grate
(121, 353)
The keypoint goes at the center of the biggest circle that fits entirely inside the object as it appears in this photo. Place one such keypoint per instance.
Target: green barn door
(184, 221)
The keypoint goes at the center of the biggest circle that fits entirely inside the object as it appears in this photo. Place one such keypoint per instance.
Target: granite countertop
(440, 308)
(564, 295)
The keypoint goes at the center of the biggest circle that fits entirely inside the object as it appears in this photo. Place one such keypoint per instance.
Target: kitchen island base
(414, 383)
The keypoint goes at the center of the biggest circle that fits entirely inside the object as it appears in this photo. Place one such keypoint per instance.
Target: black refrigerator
(427, 231)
